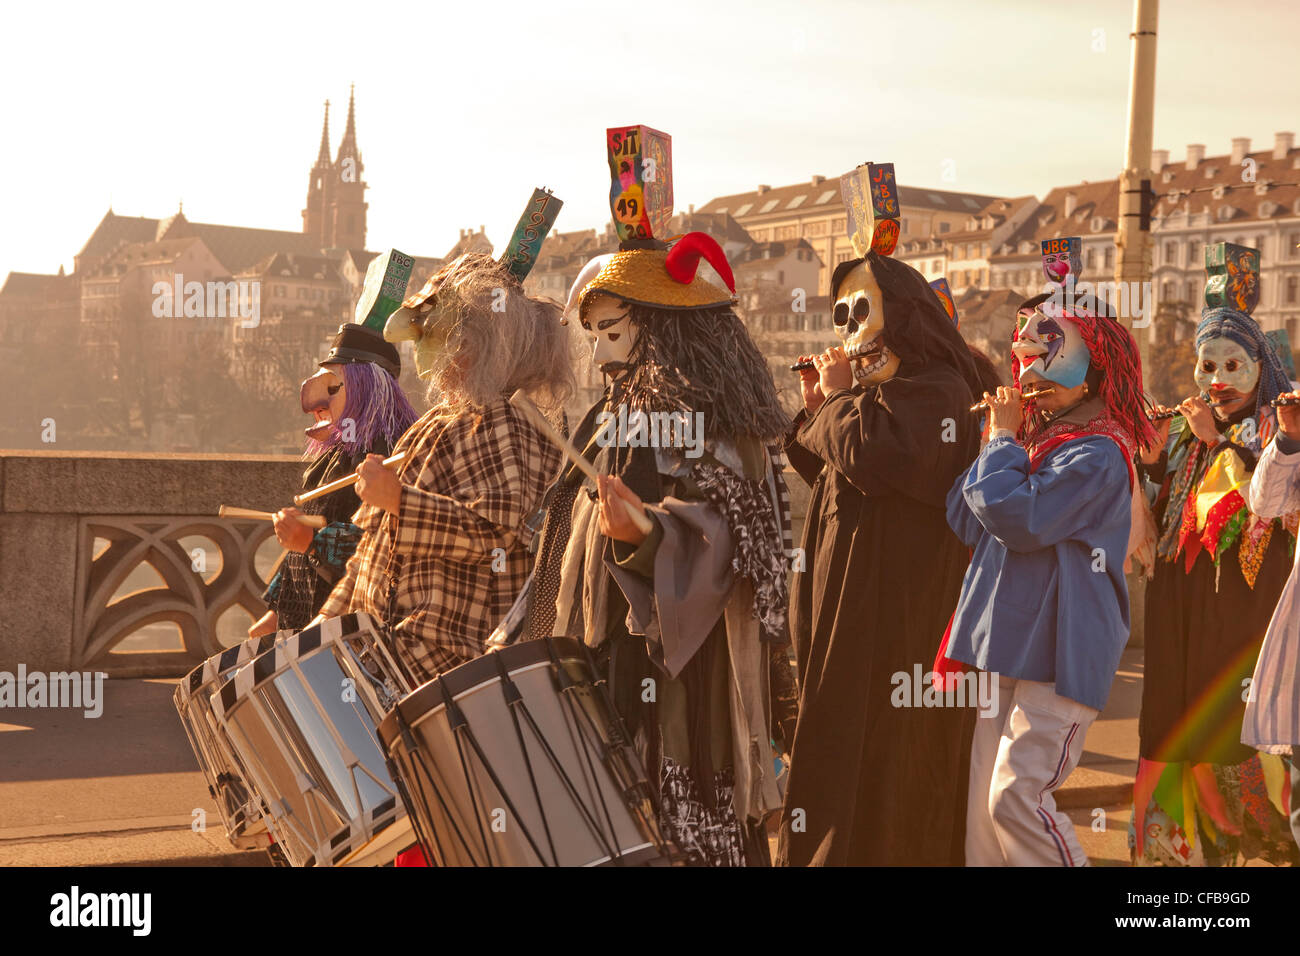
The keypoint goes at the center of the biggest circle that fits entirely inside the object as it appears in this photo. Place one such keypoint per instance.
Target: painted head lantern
(645, 271)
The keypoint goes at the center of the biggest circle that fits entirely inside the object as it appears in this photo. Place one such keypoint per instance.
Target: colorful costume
(872, 783)
(1201, 796)
(372, 414)
(1044, 605)
(443, 569)
(687, 624)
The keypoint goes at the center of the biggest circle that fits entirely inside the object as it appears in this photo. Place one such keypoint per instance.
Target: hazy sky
(464, 107)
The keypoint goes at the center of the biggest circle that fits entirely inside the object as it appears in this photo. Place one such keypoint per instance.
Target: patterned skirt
(708, 836)
(1212, 814)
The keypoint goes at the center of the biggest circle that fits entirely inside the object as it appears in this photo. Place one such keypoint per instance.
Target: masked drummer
(683, 617)
(357, 408)
(444, 546)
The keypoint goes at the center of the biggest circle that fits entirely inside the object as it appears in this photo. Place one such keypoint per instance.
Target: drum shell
(466, 818)
(237, 805)
(301, 719)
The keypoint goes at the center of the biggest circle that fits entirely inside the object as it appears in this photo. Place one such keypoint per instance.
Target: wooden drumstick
(521, 401)
(229, 511)
(341, 483)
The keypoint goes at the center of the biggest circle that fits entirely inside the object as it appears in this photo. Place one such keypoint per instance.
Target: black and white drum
(300, 718)
(517, 758)
(237, 805)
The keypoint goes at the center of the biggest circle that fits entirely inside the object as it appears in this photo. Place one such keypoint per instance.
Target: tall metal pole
(1133, 262)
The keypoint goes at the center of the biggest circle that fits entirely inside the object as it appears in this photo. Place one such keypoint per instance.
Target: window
(943, 227)
(1109, 257)
(1167, 292)
(1293, 246)
(971, 203)
(1292, 289)
(742, 211)
(935, 265)
(838, 226)
(936, 199)
(768, 206)
(825, 197)
(796, 202)
(842, 257)
(1171, 253)
(1090, 260)
(904, 227)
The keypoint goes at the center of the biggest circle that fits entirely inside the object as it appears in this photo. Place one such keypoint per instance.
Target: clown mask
(1048, 345)
(859, 318)
(1227, 372)
(323, 397)
(609, 320)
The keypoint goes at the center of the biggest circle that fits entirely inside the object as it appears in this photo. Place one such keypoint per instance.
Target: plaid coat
(444, 570)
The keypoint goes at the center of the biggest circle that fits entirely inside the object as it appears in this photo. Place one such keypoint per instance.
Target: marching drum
(517, 758)
(300, 718)
(239, 808)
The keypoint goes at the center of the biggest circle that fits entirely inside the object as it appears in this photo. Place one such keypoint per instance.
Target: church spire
(348, 145)
(323, 157)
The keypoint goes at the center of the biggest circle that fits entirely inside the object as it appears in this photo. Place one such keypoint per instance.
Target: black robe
(878, 784)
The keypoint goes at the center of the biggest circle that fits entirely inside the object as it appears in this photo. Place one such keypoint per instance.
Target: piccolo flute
(1174, 412)
(1031, 392)
(1282, 400)
(869, 355)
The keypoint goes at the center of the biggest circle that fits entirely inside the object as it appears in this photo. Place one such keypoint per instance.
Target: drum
(239, 809)
(517, 758)
(300, 718)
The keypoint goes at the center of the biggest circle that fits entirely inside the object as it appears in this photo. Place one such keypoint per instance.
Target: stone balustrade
(75, 526)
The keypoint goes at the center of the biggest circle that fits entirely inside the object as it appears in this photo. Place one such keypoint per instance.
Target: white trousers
(1019, 756)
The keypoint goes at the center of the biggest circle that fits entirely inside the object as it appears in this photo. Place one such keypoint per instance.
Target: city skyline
(704, 97)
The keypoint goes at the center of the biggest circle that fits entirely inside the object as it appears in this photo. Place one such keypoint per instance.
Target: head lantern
(870, 199)
(645, 271)
(428, 317)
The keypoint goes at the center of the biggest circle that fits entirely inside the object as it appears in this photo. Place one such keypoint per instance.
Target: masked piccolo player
(1203, 796)
(1047, 509)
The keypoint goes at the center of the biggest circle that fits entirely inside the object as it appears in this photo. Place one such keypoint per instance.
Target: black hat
(358, 343)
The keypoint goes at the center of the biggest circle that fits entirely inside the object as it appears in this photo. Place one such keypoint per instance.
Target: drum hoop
(472, 675)
(274, 661)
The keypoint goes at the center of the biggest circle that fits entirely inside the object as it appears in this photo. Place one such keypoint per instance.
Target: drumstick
(228, 511)
(342, 483)
(521, 401)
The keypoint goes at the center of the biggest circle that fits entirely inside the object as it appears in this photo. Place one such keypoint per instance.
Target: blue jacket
(1044, 598)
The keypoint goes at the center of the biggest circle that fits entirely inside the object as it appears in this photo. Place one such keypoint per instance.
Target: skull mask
(859, 318)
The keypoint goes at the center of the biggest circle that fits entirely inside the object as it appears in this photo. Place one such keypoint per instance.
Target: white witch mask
(609, 320)
(1222, 364)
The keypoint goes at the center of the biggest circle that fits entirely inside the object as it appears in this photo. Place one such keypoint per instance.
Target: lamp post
(1133, 236)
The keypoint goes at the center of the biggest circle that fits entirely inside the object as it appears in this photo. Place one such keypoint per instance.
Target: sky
(462, 108)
